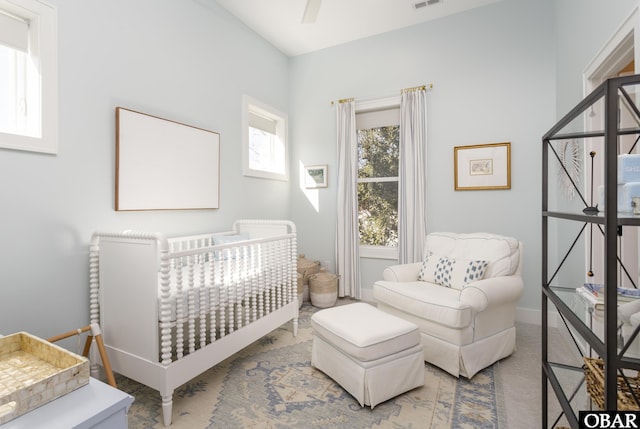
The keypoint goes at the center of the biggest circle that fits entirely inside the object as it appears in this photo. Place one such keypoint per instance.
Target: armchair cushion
(451, 272)
(502, 252)
(427, 301)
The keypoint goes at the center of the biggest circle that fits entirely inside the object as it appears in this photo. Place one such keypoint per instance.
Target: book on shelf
(594, 294)
(587, 295)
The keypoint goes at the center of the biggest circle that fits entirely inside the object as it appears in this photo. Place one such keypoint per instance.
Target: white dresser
(96, 405)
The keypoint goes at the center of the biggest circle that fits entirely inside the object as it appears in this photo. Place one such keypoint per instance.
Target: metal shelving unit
(615, 104)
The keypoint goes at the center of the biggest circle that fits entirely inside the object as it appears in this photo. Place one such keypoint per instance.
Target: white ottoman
(373, 355)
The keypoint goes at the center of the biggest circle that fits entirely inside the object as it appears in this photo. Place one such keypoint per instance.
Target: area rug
(271, 384)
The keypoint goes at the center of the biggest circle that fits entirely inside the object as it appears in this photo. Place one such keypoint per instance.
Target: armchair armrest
(402, 272)
(627, 310)
(492, 292)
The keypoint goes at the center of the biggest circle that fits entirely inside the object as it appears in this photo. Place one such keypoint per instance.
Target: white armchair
(462, 297)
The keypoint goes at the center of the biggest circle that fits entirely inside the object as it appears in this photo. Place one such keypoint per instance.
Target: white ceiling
(337, 21)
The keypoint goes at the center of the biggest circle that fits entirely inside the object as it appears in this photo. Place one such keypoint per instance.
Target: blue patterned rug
(271, 384)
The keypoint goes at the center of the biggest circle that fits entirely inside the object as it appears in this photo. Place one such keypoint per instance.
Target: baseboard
(534, 317)
(529, 315)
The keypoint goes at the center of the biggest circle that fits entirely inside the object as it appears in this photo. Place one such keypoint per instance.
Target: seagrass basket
(594, 376)
(323, 288)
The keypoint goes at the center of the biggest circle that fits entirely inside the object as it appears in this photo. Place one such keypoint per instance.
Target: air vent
(421, 4)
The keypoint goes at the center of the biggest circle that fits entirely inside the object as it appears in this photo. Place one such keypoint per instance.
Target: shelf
(571, 306)
(591, 134)
(583, 316)
(604, 93)
(582, 146)
(622, 218)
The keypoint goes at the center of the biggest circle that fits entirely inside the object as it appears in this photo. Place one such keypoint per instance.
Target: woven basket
(323, 288)
(594, 376)
(307, 267)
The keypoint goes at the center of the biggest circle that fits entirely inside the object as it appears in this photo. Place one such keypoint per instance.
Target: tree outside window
(378, 152)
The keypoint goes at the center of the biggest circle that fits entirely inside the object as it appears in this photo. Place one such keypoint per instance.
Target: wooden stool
(97, 334)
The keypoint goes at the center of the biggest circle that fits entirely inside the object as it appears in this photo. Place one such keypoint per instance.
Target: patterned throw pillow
(450, 272)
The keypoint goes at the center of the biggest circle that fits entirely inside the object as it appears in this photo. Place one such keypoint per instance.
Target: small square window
(265, 141)
(28, 76)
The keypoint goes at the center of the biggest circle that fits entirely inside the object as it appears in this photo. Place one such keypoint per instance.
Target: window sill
(265, 174)
(379, 252)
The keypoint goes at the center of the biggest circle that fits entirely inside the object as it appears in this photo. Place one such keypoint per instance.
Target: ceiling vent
(421, 4)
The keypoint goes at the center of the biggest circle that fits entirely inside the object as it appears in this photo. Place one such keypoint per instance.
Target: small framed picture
(315, 176)
(485, 166)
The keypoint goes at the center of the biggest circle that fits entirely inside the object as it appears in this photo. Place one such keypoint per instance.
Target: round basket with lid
(307, 267)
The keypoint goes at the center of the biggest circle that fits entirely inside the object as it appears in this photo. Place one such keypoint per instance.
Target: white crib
(171, 308)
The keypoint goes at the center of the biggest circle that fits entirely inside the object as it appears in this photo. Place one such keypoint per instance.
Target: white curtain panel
(347, 236)
(412, 219)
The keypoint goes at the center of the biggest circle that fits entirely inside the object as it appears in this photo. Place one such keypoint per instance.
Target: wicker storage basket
(33, 372)
(323, 287)
(300, 284)
(594, 376)
(307, 267)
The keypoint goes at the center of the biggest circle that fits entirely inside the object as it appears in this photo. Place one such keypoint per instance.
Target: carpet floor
(271, 384)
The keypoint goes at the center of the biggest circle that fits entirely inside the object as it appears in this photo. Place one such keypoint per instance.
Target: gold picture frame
(482, 167)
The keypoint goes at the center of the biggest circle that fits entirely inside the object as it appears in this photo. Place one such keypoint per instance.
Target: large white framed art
(164, 165)
(484, 166)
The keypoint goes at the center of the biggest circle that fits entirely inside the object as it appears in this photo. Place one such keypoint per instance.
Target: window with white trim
(265, 141)
(28, 76)
(378, 133)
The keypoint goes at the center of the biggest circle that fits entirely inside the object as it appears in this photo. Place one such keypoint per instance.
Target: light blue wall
(494, 81)
(187, 61)
(499, 73)
(580, 37)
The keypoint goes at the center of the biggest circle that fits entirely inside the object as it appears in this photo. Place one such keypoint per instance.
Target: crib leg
(295, 326)
(167, 406)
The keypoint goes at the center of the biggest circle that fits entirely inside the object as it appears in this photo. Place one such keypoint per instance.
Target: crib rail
(206, 291)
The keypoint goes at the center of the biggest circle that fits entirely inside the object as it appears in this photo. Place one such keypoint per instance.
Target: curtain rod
(402, 91)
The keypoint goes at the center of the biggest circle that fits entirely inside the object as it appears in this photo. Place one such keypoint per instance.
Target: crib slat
(223, 295)
(191, 308)
(180, 310)
(165, 309)
(202, 290)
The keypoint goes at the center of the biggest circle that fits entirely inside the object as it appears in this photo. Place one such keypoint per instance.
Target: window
(378, 132)
(28, 76)
(265, 141)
